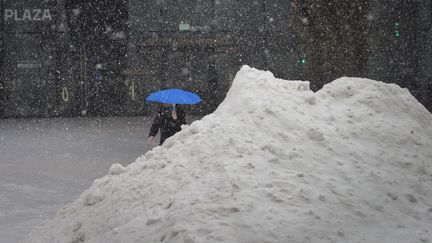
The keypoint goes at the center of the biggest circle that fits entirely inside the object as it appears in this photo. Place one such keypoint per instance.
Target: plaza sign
(27, 14)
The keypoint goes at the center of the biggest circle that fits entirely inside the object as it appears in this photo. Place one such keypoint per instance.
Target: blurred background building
(102, 58)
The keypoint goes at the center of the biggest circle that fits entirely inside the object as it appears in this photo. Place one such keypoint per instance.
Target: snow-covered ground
(45, 163)
(274, 163)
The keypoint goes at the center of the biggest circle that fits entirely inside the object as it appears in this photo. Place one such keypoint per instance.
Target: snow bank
(274, 163)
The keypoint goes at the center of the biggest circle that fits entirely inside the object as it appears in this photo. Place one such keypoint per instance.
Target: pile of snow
(274, 163)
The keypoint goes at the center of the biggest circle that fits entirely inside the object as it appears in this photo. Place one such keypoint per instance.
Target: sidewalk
(45, 163)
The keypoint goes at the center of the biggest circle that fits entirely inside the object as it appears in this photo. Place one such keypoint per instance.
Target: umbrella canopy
(174, 96)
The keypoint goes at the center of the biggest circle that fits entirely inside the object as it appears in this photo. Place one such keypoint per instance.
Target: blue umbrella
(174, 96)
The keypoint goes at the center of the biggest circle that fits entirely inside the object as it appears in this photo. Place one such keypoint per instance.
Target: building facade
(400, 44)
(99, 58)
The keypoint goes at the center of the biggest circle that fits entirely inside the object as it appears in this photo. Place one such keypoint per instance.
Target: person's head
(166, 106)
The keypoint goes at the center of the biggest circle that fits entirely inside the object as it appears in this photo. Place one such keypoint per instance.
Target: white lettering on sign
(9, 13)
(27, 14)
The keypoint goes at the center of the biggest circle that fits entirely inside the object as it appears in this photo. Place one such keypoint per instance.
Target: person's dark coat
(166, 123)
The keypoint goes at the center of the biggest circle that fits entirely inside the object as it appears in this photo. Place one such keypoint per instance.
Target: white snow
(274, 163)
(116, 169)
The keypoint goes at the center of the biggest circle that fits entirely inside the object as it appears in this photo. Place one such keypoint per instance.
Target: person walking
(168, 121)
